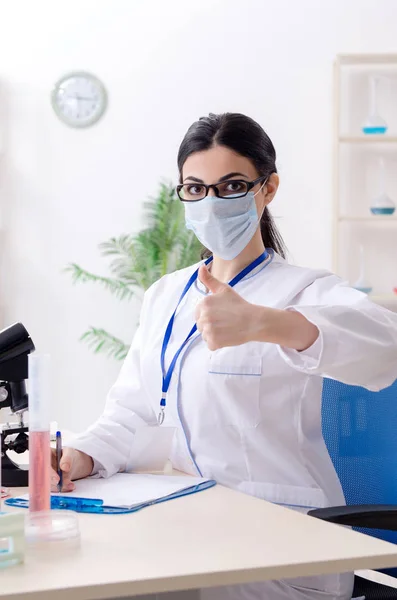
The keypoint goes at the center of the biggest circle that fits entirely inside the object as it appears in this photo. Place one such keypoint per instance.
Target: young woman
(244, 390)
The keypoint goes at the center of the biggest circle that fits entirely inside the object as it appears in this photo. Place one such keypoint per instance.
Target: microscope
(15, 346)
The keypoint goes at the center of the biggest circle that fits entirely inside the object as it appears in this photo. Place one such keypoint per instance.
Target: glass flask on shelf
(382, 204)
(362, 284)
(374, 123)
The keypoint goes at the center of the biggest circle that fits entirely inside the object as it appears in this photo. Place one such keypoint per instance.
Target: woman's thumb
(211, 283)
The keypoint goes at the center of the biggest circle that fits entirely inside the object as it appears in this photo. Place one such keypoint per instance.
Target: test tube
(39, 432)
(1, 448)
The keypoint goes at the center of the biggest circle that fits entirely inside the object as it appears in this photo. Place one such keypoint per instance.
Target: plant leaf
(138, 260)
(100, 341)
(119, 288)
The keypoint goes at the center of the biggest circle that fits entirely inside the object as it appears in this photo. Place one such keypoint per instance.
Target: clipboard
(97, 506)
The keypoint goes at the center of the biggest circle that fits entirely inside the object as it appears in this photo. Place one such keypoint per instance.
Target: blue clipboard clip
(86, 505)
(77, 504)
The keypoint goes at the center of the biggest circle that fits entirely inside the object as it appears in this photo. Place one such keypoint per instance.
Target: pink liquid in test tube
(39, 433)
(39, 470)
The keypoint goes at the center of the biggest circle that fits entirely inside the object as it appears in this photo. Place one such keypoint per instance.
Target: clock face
(79, 99)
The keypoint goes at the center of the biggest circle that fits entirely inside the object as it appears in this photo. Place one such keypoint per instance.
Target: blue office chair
(360, 430)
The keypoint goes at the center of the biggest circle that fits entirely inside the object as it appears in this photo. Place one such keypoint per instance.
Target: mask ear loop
(260, 189)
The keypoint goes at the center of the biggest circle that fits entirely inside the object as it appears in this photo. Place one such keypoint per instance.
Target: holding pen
(68, 464)
(59, 456)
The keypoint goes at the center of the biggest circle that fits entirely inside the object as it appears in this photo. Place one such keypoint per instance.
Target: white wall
(165, 64)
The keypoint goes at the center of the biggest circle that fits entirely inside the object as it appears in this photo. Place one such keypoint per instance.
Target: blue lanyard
(167, 375)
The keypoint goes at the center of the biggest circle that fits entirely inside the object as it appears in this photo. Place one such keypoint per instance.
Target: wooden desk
(216, 537)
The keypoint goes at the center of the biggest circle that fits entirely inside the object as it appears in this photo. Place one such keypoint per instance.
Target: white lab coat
(250, 416)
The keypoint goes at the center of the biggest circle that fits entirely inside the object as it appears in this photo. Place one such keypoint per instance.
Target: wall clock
(79, 99)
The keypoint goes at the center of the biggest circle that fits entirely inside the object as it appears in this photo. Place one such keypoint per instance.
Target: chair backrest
(360, 430)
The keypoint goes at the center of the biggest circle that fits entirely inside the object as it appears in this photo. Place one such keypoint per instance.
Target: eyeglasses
(237, 188)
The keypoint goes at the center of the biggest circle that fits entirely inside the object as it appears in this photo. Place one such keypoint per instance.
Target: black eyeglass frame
(249, 184)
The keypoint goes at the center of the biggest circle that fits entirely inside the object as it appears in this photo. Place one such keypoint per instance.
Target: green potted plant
(138, 260)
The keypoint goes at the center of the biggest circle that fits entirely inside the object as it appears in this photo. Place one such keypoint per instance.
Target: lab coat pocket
(234, 384)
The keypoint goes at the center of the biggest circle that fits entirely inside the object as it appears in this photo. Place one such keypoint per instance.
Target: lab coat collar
(273, 257)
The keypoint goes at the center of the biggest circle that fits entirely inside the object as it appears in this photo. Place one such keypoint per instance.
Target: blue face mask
(223, 225)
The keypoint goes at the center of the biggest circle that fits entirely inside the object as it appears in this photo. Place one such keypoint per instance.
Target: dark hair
(245, 137)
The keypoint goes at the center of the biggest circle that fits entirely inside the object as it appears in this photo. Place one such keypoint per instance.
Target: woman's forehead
(216, 162)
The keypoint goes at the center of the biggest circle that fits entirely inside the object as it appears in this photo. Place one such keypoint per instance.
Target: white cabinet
(365, 173)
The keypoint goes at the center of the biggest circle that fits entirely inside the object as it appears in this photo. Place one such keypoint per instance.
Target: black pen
(59, 456)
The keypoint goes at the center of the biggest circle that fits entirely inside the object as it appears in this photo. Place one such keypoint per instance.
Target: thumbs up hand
(223, 318)
(226, 319)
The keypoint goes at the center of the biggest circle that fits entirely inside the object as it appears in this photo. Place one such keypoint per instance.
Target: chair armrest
(371, 516)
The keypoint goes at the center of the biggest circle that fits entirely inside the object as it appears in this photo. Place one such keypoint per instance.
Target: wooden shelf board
(368, 139)
(374, 219)
(392, 297)
(386, 300)
(366, 59)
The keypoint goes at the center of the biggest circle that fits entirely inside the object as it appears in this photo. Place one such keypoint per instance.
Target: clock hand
(84, 98)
